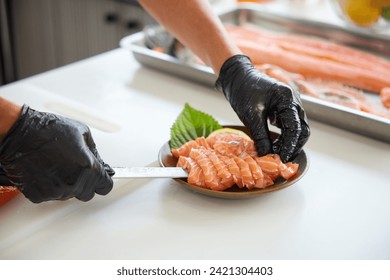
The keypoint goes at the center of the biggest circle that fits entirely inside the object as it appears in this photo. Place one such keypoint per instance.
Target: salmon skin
(219, 162)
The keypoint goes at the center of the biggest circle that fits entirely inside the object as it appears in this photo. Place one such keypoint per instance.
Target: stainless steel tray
(323, 111)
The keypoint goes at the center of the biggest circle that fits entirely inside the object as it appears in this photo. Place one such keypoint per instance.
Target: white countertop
(339, 210)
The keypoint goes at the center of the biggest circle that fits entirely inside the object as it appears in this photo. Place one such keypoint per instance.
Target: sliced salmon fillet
(212, 181)
(195, 174)
(329, 90)
(312, 46)
(234, 170)
(313, 58)
(219, 162)
(185, 149)
(268, 165)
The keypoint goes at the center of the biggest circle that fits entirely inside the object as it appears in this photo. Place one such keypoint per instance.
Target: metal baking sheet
(336, 115)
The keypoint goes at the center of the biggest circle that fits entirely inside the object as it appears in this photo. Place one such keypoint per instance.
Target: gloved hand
(256, 97)
(50, 157)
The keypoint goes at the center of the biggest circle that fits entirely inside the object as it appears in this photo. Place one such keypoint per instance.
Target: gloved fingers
(4, 181)
(261, 136)
(305, 133)
(98, 178)
(303, 137)
(33, 195)
(2, 172)
(42, 190)
(86, 196)
(105, 188)
(92, 147)
(291, 118)
(287, 143)
(95, 180)
(87, 182)
(108, 169)
(105, 184)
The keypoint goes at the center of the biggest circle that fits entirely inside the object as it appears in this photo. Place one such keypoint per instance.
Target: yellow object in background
(380, 3)
(362, 12)
(384, 5)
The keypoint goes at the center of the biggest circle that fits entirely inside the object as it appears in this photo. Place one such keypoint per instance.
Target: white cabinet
(51, 33)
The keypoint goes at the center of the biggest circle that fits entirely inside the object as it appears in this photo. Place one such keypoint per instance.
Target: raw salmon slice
(219, 162)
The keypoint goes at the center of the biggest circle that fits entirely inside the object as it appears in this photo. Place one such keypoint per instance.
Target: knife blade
(149, 172)
(128, 173)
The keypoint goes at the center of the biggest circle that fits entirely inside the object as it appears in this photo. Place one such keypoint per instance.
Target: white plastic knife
(149, 172)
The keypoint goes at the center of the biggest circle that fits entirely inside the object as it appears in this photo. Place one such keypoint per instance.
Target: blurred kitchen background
(39, 35)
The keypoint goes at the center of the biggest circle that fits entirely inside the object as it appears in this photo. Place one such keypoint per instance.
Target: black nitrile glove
(50, 157)
(256, 97)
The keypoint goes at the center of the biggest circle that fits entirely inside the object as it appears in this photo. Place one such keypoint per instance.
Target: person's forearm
(195, 25)
(9, 113)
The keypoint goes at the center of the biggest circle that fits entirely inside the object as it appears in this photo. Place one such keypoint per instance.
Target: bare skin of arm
(9, 113)
(194, 24)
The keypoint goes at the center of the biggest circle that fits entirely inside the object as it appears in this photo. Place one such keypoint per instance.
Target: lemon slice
(228, 130)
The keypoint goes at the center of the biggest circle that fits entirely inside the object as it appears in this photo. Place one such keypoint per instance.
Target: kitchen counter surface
(339, 210)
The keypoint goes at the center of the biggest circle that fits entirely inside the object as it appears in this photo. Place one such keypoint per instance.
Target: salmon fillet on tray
(343, 75)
